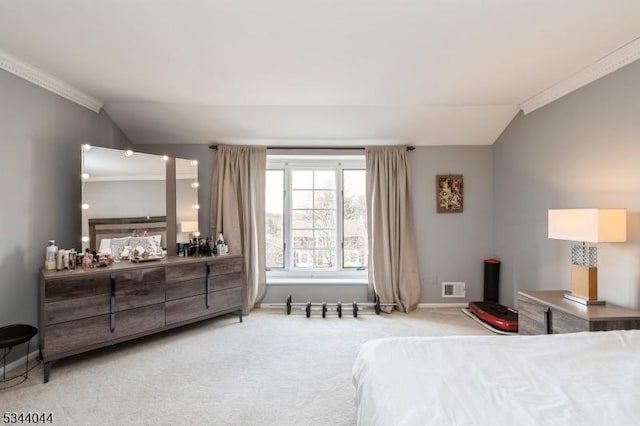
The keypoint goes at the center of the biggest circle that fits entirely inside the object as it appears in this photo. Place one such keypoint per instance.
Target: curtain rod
(339, 148)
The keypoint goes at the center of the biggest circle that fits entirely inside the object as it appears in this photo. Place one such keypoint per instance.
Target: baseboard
(442, 305)
(420, 305)
(20, 362)
(271, 306)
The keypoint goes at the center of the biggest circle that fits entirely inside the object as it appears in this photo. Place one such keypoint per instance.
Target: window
(315, 214)
(274, 218)
(354, 207)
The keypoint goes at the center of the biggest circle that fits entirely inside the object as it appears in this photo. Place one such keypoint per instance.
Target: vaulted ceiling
(425, 72)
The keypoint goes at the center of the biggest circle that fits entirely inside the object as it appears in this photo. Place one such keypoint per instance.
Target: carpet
(272, 369)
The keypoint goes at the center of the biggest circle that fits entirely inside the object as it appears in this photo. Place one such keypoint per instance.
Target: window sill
(323, 281)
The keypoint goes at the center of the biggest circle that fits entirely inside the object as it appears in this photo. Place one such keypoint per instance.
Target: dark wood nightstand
(548, 312)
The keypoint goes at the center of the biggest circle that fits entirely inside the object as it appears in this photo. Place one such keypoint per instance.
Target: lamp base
(584, 282)
(583, 301)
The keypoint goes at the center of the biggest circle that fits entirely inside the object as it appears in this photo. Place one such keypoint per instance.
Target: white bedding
(563, 379)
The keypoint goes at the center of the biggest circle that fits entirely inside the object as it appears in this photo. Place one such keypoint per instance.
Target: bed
(589, 378)
(114, 234)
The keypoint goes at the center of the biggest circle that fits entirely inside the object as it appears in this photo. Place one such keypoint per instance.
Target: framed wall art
(449, 193)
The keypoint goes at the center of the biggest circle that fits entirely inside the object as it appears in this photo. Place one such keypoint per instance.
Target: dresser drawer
(224, 281)
(139, 287)
(75, 298)
(225, 265)
(84, 334)
(224, 300)
(188, 272)
(186, 309)
(178, 290)
(562, 322)
(74, 335)
(138, 320)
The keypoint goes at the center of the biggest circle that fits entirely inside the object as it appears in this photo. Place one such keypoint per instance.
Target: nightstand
(548, 312)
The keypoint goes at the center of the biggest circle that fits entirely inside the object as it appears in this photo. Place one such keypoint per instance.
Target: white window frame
(314, 162)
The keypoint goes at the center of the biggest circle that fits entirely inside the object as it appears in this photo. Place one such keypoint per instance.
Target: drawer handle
(547, 320)
(112, 304)
(207, 287)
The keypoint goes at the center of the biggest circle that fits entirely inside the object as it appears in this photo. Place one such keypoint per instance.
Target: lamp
(588, 226)
(190, 226)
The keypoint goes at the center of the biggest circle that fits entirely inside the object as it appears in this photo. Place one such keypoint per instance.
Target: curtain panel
(237, 210)
(393, 264)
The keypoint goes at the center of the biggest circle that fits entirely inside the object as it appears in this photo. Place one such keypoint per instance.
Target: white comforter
(565, 379)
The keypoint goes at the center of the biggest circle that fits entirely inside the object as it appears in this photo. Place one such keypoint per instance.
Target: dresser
(548, 312)
(82, 310)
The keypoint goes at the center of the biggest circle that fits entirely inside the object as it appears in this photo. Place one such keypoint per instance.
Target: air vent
(453, 289)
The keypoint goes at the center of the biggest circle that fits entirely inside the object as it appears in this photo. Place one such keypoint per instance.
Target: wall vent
(450, 289)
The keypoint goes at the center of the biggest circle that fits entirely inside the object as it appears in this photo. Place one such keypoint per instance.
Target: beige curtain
(237, 210)
(393, 264)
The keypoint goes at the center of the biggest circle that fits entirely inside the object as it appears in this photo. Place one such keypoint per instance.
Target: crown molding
(40, 78)
(610, 63)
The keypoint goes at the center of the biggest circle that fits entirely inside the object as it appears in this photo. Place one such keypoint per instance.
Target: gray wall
(453, 246)
(40, 137)
(580, 151)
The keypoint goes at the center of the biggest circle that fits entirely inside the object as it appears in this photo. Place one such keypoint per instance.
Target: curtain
(237, 210)
(393, 263)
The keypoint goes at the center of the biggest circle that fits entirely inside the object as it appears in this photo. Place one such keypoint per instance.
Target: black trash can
(491, 280)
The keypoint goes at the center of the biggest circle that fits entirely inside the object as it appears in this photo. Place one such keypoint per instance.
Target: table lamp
(587, 226)
(190, 227)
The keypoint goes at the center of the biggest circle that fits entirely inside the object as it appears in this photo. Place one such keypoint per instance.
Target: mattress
(590, 378)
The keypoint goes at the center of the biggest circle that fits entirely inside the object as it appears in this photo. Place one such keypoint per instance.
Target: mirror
(121, 185)
(187, 206)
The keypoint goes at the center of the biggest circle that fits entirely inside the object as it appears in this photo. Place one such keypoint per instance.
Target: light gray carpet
(273, 369)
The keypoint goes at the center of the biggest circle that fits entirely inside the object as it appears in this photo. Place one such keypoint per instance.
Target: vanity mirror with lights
(132, 194)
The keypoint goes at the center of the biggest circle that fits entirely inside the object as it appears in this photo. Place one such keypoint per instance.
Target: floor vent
(453, 289)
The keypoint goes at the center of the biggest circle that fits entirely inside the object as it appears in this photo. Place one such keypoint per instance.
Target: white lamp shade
(189, 226)
(588, 225)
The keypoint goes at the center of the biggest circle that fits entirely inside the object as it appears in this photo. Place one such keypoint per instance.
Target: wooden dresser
(548, 312)
(84, 310)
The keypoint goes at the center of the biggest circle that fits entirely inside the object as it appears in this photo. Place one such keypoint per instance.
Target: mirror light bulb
(195, 185)
(86, 147)
(85, 239)
(195, 206)
(197, 233)
(85, 206)
(85, 176)
(194, 162)
(165, 158)
(128, 153)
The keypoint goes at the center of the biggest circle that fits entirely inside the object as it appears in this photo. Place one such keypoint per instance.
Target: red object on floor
(496, 315)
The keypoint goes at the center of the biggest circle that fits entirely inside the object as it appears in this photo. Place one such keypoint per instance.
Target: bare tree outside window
(355, 249)
(274, 218)
(315, 214)
(313, 223)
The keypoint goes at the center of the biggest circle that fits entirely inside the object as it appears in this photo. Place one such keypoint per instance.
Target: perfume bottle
(50, 259)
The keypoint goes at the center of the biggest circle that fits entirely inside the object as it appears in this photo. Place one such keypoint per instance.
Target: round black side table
(10, 336)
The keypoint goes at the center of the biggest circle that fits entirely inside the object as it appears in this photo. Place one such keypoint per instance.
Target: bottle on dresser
(50, 259)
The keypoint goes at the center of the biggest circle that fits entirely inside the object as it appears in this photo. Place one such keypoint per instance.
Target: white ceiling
(424, 72)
